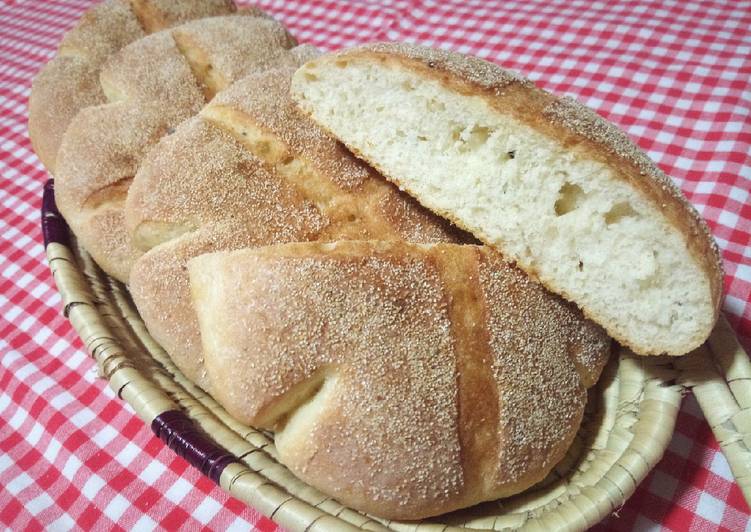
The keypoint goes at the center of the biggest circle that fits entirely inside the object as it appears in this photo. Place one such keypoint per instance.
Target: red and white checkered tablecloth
(674, 74)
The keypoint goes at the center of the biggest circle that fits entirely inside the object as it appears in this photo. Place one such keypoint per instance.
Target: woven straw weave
(627, 425)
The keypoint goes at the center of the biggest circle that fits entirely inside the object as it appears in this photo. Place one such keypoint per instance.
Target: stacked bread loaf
(404, 367)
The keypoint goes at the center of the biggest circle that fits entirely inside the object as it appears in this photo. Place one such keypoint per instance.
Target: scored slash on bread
(556, 188)
(151, 86)
(405, 380)
(250, 170)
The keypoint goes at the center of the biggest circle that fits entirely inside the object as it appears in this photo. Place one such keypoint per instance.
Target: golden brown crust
(304, 186)
(350, 191)
(156, 15)
(200, 175)
(419, 414)
(151, 87)
(226, 51)
(264, 100)
(69, 82)
(104, 233)
(222, 198)
(152, 70)
(528, 327)
(94, 161)
(101, 31)
(159, 285)
(573, 124)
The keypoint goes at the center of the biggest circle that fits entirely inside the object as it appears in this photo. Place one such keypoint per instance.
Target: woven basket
(627, 425)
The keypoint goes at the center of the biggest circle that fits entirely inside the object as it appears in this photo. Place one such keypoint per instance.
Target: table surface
(675, 75)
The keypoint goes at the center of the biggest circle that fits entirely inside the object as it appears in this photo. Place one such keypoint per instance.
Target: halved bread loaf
(151, 86)
(404, 380)
(70, 81)
(250, 170)
(547, 181)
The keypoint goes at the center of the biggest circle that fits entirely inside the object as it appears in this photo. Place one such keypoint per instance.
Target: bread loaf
(70, 81)
(547, 181)
(151, 86)
(403, 380)
(250, 171)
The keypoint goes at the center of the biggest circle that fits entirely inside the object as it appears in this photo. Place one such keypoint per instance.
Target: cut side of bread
(250, 171)
(404, 380)
(553, 186)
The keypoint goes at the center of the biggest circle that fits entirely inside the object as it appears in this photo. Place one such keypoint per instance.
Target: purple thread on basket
(54, 228)
(181, 435)
(173, 427)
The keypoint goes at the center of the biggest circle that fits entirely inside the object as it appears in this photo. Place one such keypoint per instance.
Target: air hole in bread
(648, 268)
(506, 156)
(478, 136)
(456, 131)
(435, 105)
(341, 63)
(408, 85)
(470, 138)
(619, 211)
(310, 76)
(569, 198)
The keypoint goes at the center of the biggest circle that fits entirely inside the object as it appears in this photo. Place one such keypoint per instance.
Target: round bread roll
(70, 81)
(151, 86)
(250, 171)
(546, 181)
(403, 380)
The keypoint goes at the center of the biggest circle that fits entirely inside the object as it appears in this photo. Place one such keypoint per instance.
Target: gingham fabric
(674, 74)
